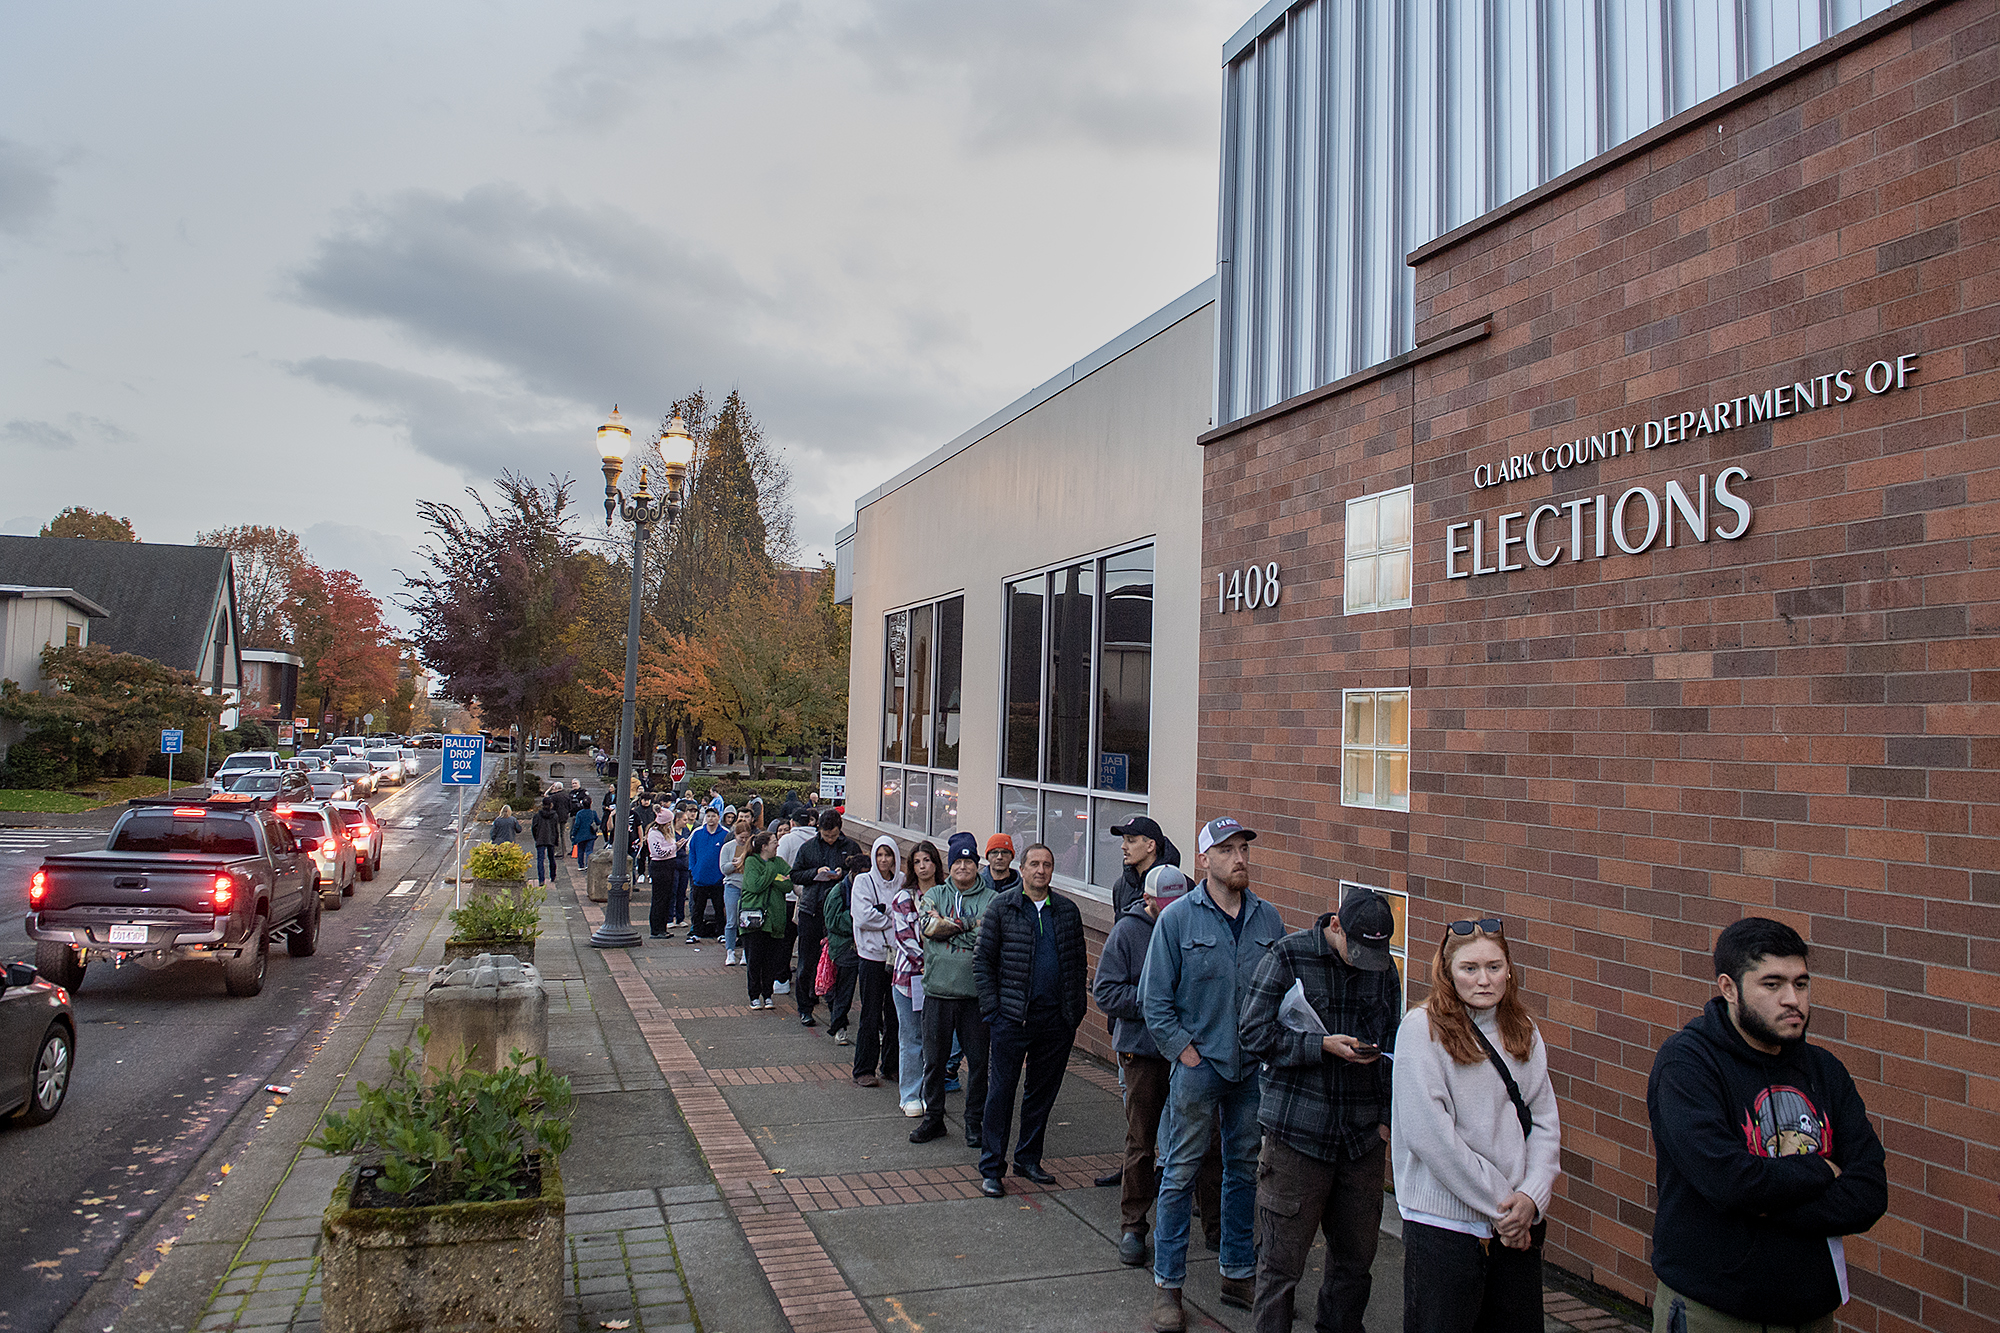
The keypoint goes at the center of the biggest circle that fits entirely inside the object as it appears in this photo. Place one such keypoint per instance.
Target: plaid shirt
(1320, 1104)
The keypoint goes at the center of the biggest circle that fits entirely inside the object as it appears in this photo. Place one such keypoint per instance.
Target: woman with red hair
(1475, 1140)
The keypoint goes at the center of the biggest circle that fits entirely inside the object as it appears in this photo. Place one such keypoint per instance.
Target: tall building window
(1377, 572)
(921, 647)
(1076, 724)
(1375, 749)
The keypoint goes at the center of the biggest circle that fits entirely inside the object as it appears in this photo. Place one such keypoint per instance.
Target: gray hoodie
(1119, 968)
(870, 902)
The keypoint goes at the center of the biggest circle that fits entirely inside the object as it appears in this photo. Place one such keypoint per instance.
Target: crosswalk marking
(25, 838)
(401, 890)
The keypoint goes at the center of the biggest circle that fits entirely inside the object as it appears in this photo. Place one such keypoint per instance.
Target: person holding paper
(1321, 1013)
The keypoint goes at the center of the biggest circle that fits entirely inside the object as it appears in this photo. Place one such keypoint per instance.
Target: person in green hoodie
(766, 881)
(837, 910)
(948, 918)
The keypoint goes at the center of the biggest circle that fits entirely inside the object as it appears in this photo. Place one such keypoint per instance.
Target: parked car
(243, 761)
(360, 775)
(211, 881)
(366, 831)
(328, 785)
(388, 766)
(281, 784)
(37, 1045)
(320, 829)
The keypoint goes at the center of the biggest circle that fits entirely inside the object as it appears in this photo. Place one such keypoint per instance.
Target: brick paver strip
(811, 1291)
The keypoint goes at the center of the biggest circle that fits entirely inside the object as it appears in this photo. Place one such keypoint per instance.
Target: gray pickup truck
(213, 880)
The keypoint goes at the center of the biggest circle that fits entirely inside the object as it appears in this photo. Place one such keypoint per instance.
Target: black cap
(1141, 825)
(1370, 925)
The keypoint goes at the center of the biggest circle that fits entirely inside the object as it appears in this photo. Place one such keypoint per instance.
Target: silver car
(388, 766)
(37, 1045)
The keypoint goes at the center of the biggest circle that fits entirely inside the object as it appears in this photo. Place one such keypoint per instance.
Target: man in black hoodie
(1143, 844)
(1766, 1156)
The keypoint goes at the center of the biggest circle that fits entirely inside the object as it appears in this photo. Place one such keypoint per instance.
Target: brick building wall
(1620, 755)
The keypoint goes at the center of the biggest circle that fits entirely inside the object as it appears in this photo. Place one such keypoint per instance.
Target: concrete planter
(497, 1267)
(455, 950)
(481, 1012)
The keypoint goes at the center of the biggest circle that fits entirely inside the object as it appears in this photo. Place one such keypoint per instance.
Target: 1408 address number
(1247, 588)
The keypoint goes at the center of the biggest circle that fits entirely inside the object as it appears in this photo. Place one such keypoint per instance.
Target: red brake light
(225, 890)
(329, 845)
(38, 886)
(189, 812)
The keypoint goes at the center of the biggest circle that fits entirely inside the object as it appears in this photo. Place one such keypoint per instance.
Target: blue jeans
(583, 848)
(545, 862)
(732, 901)
(1195, 1098)
(909, 1049)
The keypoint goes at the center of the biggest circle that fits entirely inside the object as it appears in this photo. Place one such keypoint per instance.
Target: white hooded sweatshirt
(870, 901)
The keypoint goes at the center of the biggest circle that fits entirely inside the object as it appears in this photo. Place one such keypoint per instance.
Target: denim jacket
(1197, 974)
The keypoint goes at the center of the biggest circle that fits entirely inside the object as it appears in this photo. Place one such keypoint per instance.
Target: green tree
(111, 706)
(76, 521)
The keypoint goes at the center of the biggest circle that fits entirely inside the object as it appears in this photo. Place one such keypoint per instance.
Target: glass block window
(1375, 749)
(1376, 574)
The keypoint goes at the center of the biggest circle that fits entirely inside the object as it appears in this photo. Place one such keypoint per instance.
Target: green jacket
(948, 962)
(765, 884)
(838, 915)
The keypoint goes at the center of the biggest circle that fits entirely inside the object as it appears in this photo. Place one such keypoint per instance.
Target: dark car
(278, 783)
(360, 774)
(37, 1045)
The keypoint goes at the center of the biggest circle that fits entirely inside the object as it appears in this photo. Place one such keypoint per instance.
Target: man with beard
(1766, 1156)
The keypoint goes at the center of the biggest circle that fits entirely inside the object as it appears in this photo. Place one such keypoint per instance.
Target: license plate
(128, 934)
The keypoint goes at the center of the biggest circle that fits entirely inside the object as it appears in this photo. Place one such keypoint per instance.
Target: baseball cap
(1369, 925)
(961, 847)
(1166, 883)
(1221, 830)
(1000, 840)
(1142, 826)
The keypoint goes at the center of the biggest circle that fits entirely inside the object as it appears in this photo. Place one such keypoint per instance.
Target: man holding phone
(1325, 1107)
(818, 863)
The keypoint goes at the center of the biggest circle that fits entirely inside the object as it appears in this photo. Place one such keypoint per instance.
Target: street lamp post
(614, 444)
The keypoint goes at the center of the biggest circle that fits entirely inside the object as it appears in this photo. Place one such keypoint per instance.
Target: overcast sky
(307, 265)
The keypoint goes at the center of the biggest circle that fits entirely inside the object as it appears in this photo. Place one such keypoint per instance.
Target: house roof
(70, 595)
(158, 601)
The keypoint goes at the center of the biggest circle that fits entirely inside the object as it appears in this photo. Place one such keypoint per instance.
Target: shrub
(497, 860)
(512, 916)
(42, 761)
(466, 1137)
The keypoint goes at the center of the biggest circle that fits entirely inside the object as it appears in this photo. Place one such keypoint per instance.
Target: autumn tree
(492, 608)
(271, 565)
(349, 661)
(104, 709)
(76, 521)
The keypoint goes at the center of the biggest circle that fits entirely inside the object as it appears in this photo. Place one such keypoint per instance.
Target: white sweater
(1453, 1133)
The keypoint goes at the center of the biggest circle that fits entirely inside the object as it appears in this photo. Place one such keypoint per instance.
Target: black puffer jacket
(1004, 961)
(818, 853)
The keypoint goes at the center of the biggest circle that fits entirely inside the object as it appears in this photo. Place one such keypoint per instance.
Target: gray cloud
(582, 307)
(1035, 72)
(617, 64)
(37, 434)
(27, 187)
(374, 557)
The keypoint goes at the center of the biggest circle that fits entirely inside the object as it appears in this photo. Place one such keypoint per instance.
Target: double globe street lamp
(640, 509)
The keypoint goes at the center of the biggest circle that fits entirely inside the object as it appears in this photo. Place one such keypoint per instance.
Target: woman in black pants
(761, 926)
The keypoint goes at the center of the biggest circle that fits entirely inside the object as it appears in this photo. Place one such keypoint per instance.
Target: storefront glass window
(1024, 680)
(1070, 616)
(950, 644)
(1107, 858)
(1019, 819)
(916, 800)
(1375, 749)
(922, 635)
(1066, 829)
(890, 811)
(1125, 673)
(895, 682)
(1377, 571)
(944, 804)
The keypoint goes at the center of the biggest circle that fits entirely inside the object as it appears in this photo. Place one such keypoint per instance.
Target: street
(165, 1059)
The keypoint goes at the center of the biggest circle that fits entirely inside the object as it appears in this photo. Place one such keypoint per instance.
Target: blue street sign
(1111, 770)
(462, 758)
(170, 742)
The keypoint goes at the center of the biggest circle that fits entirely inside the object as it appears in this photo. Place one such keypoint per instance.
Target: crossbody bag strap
(1513, 1089)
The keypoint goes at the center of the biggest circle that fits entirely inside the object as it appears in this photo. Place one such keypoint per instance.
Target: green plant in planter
(496, 860)
(464, 1137)
(511, 916)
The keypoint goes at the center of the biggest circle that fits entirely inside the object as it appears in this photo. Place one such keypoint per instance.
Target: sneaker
(807, 1021)
(840, 1038)
(951, 1085)
(729, 958)
(913, 1109)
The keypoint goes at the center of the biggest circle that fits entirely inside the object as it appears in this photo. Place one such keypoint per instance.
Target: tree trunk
(521, 760)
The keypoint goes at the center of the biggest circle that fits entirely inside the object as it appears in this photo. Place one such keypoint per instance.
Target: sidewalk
(726, 1175)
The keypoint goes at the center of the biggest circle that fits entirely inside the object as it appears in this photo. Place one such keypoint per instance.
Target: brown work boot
(1240, 1292)
(1168, 1317)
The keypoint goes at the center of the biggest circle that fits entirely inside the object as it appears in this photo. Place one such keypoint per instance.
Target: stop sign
(679, 771)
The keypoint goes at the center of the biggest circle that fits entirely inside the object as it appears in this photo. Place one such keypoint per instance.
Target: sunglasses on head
(1490, 924)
